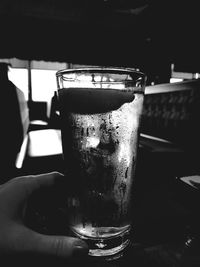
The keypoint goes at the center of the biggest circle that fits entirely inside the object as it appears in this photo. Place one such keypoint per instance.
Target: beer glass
(100, 111)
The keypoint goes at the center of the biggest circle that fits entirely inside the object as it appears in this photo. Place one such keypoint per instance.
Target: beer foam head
(89, 100)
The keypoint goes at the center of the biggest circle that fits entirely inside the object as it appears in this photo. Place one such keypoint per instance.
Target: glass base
(110, 254)
(109, 248)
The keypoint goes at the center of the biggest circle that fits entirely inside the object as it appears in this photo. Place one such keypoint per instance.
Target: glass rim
(120, 70)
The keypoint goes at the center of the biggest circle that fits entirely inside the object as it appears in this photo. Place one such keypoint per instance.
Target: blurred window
(19, 76)
(43, 84)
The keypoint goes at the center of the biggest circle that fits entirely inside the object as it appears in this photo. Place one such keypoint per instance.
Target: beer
(100, 129)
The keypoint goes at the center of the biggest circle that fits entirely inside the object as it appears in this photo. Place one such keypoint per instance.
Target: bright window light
(19, 76)
(43, 84)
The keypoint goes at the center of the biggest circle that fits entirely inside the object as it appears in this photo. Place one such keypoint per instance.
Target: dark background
(147, 34)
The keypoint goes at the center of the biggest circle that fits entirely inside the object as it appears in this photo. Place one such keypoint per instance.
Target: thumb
(65, 247)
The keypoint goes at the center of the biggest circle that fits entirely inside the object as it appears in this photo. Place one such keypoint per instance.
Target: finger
(58, 246)
(43, 180)
(25, 185)
(19, 189)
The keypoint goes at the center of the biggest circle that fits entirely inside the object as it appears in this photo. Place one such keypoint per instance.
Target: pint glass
(100, 111)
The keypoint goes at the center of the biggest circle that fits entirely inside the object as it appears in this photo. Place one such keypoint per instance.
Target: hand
(15, 237)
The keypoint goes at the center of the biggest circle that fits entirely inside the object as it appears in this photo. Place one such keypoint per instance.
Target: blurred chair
(54, 113)
(38, 115)
(41, 150)
(171, 112)
(29, 143)
(14, 123)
